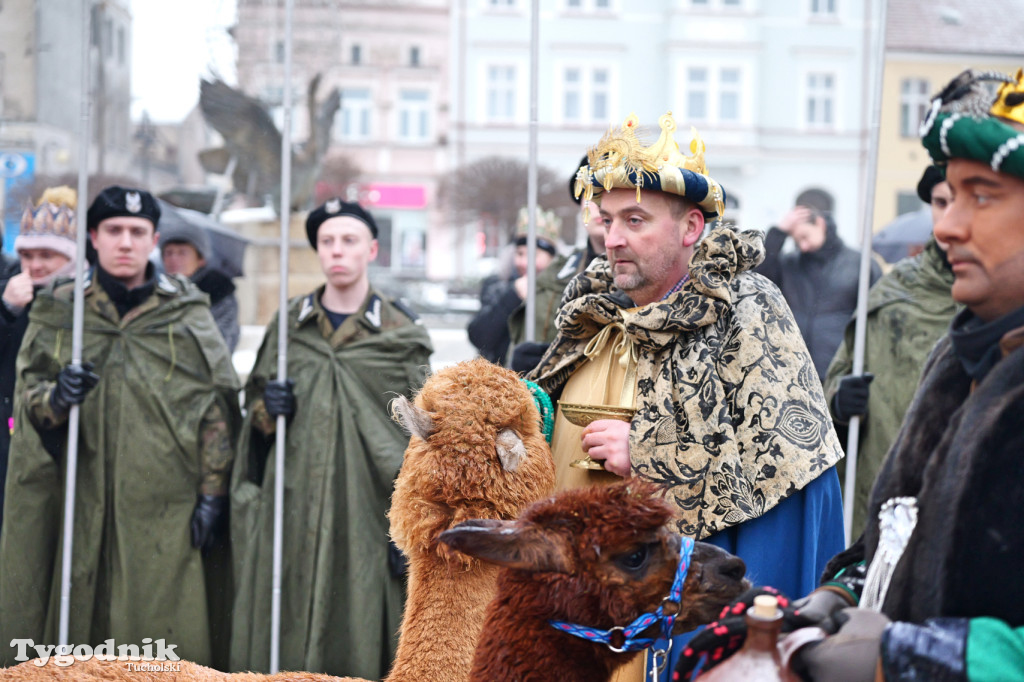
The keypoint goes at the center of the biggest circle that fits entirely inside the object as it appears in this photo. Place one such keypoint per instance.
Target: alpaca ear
(509, 544)
(511, 450)
(415, 420)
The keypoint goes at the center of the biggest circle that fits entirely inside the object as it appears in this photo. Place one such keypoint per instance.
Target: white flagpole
(531, 178)
(77, 325)
(282, 343)
(860, 329)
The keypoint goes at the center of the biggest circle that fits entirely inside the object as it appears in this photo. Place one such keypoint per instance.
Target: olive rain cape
(730, 413)
(340, 607)
(134, 571)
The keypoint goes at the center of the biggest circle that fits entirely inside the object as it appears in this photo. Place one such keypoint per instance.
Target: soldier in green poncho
(157, 395)
(350, 351)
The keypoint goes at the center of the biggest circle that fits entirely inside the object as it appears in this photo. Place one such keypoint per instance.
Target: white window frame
(513, 86)
(587, 89)
(915, 98)
(414, 123)
(589, 6)
(717, 5)
(354, 122)
(807, 95)
(713, 88)
(823, 8)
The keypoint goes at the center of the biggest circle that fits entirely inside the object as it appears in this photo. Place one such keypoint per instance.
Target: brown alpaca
(476, 451)
(598, 557)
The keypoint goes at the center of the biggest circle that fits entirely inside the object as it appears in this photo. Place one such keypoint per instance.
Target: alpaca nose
(731, 569)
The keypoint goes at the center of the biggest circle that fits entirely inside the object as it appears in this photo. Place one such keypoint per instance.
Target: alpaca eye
(635, 560)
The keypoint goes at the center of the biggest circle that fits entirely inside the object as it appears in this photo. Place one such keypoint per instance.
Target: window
(279, 52)
(501, 92)
(602, 4)
(697, 93)
(356, 107)
(356, 54)
(571, 110)
(729, 94)
(820, 100)
(414, 56)
(574, 4)
(914, 101)
(503, 3)
(120, 45)
(823, 7)
(414, 115)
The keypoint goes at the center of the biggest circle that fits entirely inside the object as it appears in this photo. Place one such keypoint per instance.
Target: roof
(991, 27)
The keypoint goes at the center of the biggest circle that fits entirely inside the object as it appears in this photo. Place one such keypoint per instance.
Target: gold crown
(620, 160)
(54, 214)
(1009, 100)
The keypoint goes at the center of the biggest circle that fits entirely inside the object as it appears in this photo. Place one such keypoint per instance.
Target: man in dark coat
(945, 539)
(818, 280)
(185, 249)
(350, 351)
(158, 414)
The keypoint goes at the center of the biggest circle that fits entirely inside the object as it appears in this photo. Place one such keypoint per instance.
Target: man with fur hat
(716, 394)
(46, 249)
(350, 351)
(944, 543)
(489, 330)
(184, 250)
(158, 414)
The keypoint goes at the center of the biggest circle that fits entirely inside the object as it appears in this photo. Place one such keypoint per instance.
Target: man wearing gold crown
(158, 407)
(692, 368)
(942, 597)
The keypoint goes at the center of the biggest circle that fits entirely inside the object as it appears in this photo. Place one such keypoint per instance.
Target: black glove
(527, 355)
(850, 654)
(279, 398)
(851, 398)
(73, 384)
(820, 605)
(721, 639)
(208, 519)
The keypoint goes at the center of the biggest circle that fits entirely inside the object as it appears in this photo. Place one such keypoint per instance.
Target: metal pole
(531, 178)
(77, 325)
(282, 343)
(860, 329)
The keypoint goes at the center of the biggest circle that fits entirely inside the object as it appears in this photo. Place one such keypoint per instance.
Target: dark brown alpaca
(597, 557)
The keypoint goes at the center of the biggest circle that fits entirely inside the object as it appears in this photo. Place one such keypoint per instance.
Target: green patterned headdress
(970, 119)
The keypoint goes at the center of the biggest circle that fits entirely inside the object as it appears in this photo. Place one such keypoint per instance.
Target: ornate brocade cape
(730, 417)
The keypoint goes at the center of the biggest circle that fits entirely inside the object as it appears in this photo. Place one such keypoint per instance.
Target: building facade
(40, 93)
(776, 89)
(390, 61)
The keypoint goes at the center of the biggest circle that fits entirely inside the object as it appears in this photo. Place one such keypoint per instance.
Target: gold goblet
(582, 415)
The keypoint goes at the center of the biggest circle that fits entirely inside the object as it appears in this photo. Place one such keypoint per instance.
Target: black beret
(542, 243)
(335, 208)
(117, 201)
(933, 175)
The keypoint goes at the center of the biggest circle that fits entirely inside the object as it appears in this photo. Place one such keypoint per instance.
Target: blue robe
(786, 548)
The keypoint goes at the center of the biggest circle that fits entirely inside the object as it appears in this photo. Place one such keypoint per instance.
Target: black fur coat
(961, 453)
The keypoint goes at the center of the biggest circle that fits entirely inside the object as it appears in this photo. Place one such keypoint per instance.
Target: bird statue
(253, 141)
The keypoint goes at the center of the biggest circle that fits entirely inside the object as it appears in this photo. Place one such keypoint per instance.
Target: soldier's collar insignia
(332, 206)
(132, 202)
(570, 266)
(307, 308)
(373, 311)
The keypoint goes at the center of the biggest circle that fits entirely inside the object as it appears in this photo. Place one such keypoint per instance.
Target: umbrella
(903, 236)
(227, 246)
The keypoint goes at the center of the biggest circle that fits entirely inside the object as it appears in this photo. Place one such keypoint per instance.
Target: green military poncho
(340, 607)
(163, 369)
(909, 310)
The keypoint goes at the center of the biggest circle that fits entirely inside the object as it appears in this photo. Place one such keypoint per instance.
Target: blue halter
(628, 634)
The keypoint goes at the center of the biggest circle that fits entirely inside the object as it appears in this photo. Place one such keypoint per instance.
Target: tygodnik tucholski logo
(151, 656)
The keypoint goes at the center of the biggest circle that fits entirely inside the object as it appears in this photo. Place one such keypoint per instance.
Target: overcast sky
(173, 44)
